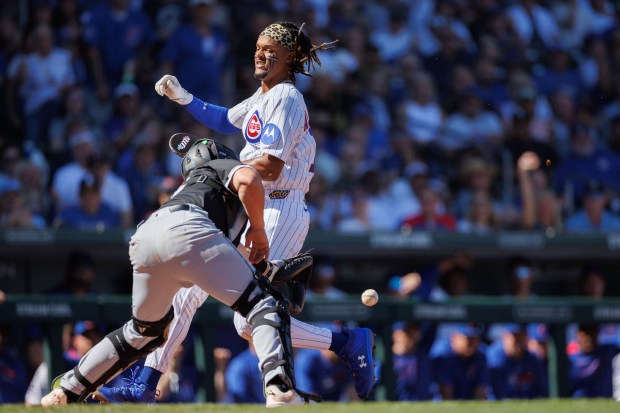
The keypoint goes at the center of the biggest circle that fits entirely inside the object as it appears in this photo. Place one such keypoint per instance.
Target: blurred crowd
(467, 361)
(436, 114)
(446, 115)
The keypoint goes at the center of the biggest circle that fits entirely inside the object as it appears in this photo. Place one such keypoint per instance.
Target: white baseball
(370, 297)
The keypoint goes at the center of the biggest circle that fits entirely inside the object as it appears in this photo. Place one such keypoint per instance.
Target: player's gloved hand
(169, 86)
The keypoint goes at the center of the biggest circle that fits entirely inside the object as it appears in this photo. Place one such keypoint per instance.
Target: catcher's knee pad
(126, 352)
(158, 329)
(248, 299)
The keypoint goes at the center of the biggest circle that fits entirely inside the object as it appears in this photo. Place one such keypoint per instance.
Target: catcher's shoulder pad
(298, 268)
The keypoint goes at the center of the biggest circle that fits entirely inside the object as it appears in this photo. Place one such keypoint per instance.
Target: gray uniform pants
(169, 251)
(286, 224)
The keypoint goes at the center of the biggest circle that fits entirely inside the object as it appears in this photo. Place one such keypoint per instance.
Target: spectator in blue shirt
(85, 335)
(143, 171)
(91, 213)
(559, 73)
(593, 217)
(244, 383)
(591, 366)
(411, 362)
(592, 284)
(196, 53)
(459, 365)
(322, 373)
(585, 162)
(12, 373)
(514, 372)
(116, 35)
(179, 383)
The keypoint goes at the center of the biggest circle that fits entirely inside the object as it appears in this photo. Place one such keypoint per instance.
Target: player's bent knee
(158, 329)
(125, 347)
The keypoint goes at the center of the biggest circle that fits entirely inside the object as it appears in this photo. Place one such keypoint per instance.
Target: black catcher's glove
(291, 277)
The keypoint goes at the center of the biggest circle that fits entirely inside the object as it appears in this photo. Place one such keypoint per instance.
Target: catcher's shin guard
(126, 352)
(283, 327)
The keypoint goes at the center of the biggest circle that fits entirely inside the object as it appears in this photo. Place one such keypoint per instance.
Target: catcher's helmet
(204, 151)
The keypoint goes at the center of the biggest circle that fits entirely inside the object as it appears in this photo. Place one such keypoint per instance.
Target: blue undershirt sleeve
(213, 116)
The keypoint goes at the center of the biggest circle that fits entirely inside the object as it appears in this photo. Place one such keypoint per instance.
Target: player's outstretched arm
(213, 116)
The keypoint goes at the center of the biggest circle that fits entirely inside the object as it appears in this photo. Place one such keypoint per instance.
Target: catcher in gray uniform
(189, 241)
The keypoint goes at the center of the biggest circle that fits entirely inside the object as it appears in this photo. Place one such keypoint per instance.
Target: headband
(280, 34)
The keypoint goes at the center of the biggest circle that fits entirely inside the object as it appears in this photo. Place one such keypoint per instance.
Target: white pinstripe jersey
(276, 123)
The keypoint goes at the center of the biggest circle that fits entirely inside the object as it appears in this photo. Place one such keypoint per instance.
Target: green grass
(540, 406)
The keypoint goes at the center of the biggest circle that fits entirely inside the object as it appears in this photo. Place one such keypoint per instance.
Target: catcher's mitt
(291, 277)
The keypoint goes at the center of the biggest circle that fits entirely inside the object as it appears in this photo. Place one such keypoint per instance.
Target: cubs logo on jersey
(271, 133)
(253, 129)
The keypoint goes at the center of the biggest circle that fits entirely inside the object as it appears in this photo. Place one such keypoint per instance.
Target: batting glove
(169, 86)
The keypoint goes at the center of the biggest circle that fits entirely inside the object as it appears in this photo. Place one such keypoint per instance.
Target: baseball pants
(286, 224)
(168, 252)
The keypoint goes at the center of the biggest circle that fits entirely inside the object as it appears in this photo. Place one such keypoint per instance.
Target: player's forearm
(213, 116)
(253, 199)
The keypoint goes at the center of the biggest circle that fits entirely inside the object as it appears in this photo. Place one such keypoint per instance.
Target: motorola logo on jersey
(183, 143)
(253, 129)
(271, 134)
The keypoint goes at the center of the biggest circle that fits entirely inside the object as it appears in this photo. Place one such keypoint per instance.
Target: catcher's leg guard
(126, 348)
(282, 324)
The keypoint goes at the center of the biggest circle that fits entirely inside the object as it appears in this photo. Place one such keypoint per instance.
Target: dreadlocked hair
(305, 52)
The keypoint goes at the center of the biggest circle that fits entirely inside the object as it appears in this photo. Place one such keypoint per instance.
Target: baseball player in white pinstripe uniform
(279, 145)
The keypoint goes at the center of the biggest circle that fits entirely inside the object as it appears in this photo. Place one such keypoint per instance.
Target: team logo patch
(183, 143)
(253, 129)
(271, 134)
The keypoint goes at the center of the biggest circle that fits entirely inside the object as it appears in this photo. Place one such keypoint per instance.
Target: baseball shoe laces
(134, 390)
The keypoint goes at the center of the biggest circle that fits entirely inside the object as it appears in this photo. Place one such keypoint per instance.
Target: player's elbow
(246, 178)
(268, 166)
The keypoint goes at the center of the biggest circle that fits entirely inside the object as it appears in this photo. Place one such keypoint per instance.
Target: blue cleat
(356, 354)
(134, 391)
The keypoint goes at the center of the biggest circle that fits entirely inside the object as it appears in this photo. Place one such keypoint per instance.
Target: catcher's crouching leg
(118, 350)
(266, 310)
